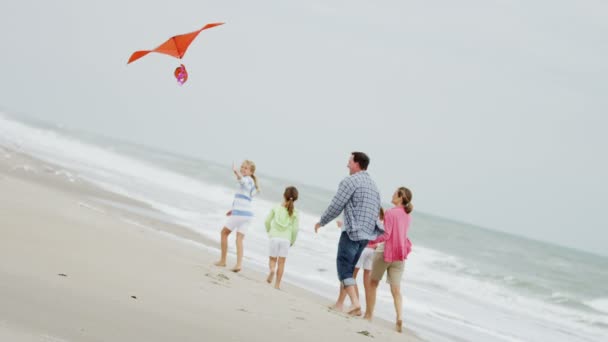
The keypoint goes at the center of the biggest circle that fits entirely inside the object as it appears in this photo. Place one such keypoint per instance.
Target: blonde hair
(251, 166)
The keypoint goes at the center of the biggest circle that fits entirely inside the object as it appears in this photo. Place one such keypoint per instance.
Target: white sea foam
(599, 304)
(25, 167)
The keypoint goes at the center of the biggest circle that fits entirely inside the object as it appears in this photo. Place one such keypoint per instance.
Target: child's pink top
(396, 244)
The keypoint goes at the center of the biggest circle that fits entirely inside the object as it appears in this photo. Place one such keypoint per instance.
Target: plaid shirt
(359, 198)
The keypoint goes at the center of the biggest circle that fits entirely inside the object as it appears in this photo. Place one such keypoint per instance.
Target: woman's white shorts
(278, 247)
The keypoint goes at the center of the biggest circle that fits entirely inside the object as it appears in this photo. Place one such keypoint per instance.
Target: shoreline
(77, 268)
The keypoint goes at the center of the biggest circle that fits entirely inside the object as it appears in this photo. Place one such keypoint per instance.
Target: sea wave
(599, 304)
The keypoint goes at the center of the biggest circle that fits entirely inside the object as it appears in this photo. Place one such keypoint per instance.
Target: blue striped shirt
(241, 205)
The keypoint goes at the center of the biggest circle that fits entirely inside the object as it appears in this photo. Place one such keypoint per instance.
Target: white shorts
(238, 224)
(366, 259)
(278, 247)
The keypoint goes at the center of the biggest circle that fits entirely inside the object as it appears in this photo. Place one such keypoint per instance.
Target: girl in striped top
(241, 214)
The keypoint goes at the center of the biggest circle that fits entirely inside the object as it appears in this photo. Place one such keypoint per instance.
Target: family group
(372, 239)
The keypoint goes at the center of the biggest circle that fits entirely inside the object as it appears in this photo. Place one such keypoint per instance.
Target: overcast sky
(494, 112)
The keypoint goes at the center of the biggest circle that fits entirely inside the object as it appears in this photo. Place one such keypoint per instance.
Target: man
(359, 198)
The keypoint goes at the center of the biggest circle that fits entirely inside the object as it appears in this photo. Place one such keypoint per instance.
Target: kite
(175, 46)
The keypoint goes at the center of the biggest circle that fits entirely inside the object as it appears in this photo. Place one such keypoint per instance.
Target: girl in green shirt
(282, 227)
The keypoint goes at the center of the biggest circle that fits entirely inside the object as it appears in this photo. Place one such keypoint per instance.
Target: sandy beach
(73, 268)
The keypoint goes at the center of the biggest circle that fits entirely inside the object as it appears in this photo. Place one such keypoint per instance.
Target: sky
(491, 111)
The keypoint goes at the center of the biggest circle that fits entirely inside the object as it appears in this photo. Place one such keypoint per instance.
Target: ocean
(462, 282)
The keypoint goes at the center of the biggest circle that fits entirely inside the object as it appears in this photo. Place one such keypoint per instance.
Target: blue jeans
(349, 252)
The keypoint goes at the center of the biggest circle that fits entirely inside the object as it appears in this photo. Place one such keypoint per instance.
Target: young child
(282, 228)
(241, 214)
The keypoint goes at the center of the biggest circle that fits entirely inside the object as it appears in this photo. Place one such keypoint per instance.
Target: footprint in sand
(365, 333)
(299, 311)
(219, 279)
(218, 276)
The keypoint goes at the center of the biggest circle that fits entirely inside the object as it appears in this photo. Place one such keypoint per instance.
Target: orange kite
(175, 46)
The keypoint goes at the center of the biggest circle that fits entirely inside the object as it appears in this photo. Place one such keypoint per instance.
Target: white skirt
(366, 259)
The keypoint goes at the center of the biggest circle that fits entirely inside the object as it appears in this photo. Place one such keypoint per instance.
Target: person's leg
(355, 309)
(366, 287)
(393, 276)
(280, 269)
(376, 274)
(341, 267)
(348, 254)
(339, 304)
(355, 272)
(342, 296)
(272, 263)
(371, 299)
(223, 247)
(397, 299)
(239, 252)
(358, 247)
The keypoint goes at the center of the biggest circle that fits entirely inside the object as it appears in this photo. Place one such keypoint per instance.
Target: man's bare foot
(236, 269)
(277, 287)
(367, 316)
(399, 325)
(336, 307)
(270, 277)
(356, 311)
(220, 263)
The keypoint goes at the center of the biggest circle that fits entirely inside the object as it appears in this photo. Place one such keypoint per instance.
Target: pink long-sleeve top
(396, 244)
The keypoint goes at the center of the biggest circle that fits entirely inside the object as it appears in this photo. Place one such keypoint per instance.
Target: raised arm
(236, 172)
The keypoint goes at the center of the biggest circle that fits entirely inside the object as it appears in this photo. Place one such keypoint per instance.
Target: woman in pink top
(391, 252)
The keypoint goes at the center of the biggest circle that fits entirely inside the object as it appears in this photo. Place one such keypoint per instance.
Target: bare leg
(280, 269)
(272, 264)
(366, 286)
(371, 302)
(239, 252)
(355, 309)
(397, 299)
(339, 306)
(355, 277)
(224, 247)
